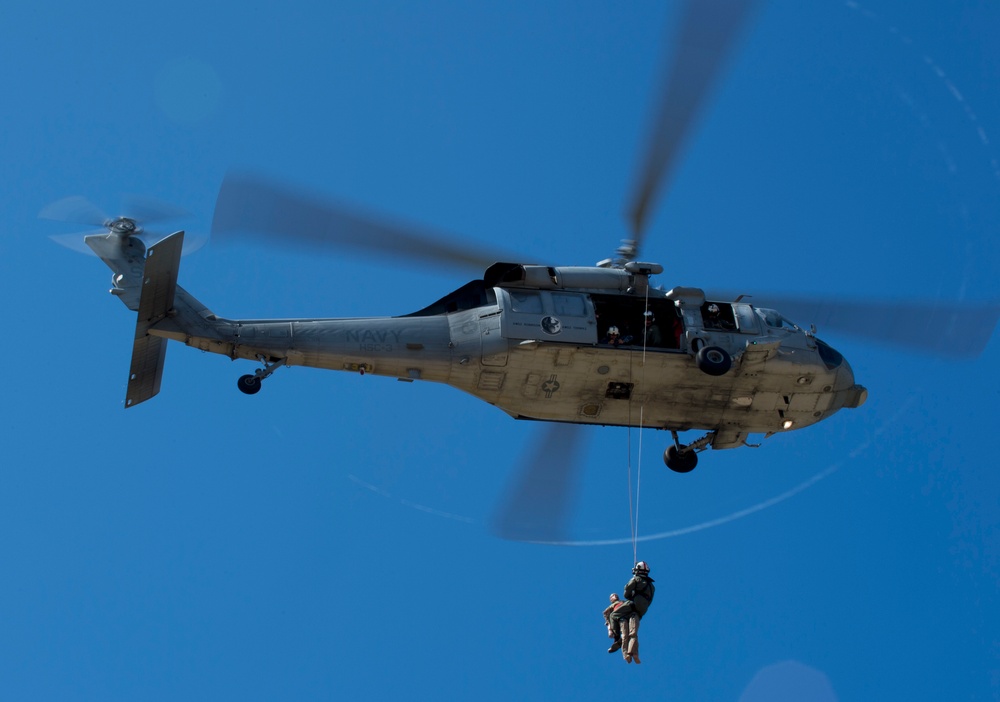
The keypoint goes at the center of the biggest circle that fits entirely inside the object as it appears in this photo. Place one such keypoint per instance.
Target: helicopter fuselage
(534, 341)
(780, 379)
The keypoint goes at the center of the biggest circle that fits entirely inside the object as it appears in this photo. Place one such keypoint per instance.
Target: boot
(615, 646)
(633, 649)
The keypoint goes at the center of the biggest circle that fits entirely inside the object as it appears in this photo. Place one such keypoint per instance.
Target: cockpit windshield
(775, 320)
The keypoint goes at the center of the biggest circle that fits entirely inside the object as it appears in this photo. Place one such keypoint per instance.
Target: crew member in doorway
(614, 337)
(651, 332)
(638, 596)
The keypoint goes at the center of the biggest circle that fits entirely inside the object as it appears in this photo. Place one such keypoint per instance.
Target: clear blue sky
(327, 538)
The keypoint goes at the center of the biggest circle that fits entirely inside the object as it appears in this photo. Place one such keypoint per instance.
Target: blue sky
(328, 537)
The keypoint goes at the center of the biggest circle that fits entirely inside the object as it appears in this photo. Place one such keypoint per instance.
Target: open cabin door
(543, 315)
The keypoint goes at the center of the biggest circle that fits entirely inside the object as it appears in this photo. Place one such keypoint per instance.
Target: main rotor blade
(941, 328)
(249, 204)
(540, 500)
(707, 32)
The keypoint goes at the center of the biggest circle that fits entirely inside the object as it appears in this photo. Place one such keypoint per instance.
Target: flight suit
(614, 630)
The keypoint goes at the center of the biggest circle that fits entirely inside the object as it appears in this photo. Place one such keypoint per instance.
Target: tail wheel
(249, 384)
(681, 460)
(713, 360)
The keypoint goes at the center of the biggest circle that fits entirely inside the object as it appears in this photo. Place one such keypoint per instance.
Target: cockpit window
(775, 320)
(830, 356)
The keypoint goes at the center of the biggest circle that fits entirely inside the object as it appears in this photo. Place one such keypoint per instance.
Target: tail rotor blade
(76, 241)
(192, 242)
(145, 209)
(75, 209)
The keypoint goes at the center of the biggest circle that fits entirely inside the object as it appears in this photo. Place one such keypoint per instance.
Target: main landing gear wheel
(713, 360)
(249, 384)
(681, 460)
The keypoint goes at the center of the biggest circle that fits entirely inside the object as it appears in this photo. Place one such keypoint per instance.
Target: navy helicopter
(563, 344)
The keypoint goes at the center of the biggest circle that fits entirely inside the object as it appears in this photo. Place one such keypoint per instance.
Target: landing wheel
(713, 360)
(249, 384)
(680, 460)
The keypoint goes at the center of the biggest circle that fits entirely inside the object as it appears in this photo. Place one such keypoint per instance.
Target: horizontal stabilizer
(159, 284)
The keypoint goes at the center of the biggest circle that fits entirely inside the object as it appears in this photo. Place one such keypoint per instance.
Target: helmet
(649, 316)
(641, 568)
(713, 309)
(612, 330)
(613, 597)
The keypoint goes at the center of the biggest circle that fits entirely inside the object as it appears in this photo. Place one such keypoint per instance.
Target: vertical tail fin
(156, 300)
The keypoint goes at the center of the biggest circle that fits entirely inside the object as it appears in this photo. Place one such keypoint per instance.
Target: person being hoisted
(638, 596)
(614, 630)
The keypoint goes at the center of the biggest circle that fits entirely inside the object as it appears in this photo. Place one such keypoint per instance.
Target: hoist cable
(642, 408)
(628, 441)
(633, 508)
(638, 484)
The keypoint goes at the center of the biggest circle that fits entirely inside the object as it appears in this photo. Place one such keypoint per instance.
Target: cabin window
(525, 302)
(547, 316)
(569, 305)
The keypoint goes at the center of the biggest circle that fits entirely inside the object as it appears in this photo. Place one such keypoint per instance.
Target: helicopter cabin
(610, 307)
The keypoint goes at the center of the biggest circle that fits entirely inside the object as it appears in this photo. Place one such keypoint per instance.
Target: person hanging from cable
(638, 596)
(614, 630)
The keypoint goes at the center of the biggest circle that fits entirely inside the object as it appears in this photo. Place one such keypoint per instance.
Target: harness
(645, 596)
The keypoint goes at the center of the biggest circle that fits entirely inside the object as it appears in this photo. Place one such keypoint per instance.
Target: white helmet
(641, 568)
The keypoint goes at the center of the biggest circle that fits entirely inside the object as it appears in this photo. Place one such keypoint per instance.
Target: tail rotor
(138, 211)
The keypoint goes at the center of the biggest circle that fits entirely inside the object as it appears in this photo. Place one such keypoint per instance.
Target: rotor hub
(624, 255)
(123, 226)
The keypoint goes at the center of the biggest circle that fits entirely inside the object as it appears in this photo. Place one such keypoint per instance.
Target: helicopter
(536, 340)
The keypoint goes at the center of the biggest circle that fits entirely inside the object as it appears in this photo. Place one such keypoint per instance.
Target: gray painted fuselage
(532, 349)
